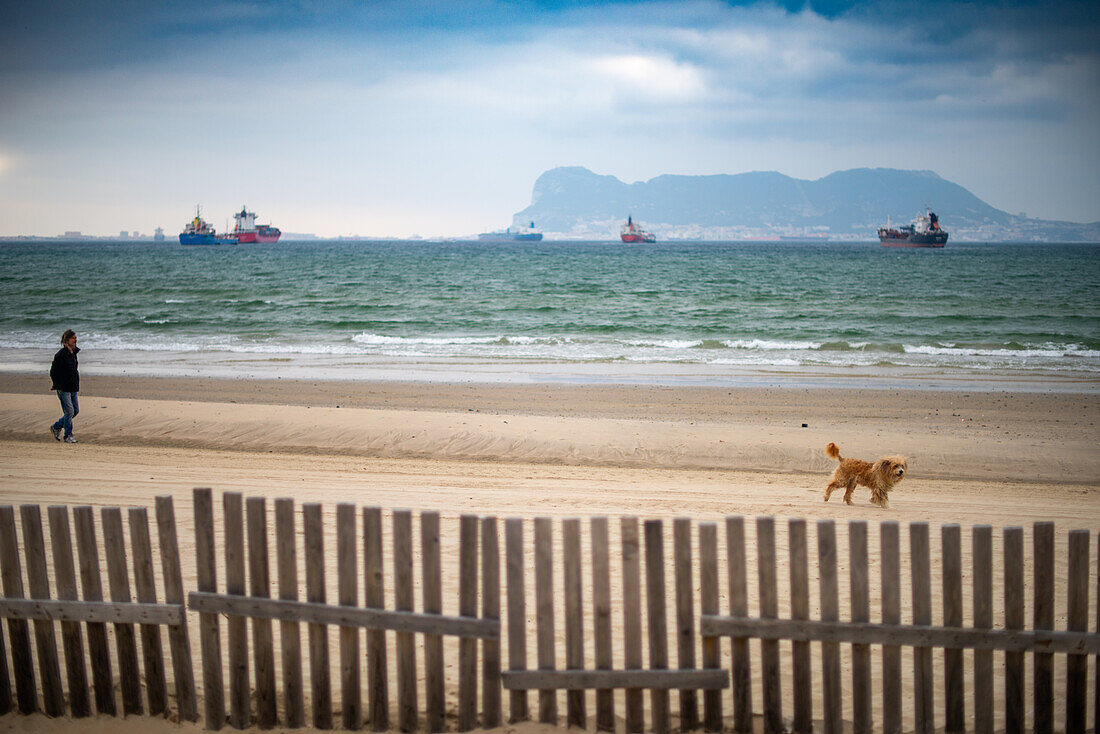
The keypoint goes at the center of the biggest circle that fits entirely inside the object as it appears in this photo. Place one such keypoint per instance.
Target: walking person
(65, 380)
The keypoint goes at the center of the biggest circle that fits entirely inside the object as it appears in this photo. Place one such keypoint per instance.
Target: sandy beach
(999, 458)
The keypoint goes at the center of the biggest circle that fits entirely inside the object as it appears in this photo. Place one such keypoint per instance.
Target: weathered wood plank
(580, 680)
(517, 614)
(657, 620)
(1043, 619)
(1077, 619)
(889, 553)
(320, 675)
(708, 604)
(800, 610)
(432, 590)
(490, 610)
(26, 689)
(544, 614)
(736, 568)
(1096, 676)
(407, 711)
(179, 641)
(830, 612)
(7, 703)
(378, 692)
(290, 638)
(685, 618)
(92, 611)
(859, 583)
(38, 584)
(119, 585)
(91, 589)
(152, 651)
(953, 680)
(769, 609)
(632, 619)
(72, 640)
(921, 569)
(467, 607)
(347, 577)
(240, 705)
(1014, 620)
(601, 618)
(263, 642)
(209, 632)
(1075, 643)
(574, 619)
(982, 560)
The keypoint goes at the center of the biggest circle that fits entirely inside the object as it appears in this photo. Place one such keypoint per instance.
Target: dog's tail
(832, 451)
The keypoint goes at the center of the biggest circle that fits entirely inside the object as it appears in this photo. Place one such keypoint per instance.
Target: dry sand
(563, 451)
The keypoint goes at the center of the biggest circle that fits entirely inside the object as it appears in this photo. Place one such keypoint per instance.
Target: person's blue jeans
(69, 407)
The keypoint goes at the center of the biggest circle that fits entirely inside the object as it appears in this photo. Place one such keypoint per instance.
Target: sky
(435, 119)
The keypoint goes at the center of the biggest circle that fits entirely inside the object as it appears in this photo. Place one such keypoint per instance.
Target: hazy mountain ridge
(575, 202)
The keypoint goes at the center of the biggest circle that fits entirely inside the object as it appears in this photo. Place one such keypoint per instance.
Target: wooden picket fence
(243, 684)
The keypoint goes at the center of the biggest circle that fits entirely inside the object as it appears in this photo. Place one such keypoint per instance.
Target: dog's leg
(848, 491)
(833, 486)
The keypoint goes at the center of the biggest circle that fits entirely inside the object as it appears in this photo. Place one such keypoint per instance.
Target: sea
(968, 316)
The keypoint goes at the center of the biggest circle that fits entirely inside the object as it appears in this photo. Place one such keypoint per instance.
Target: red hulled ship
(247, 230)
(633, 233)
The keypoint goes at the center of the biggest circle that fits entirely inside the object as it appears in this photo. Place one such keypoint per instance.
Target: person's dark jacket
(63, 372)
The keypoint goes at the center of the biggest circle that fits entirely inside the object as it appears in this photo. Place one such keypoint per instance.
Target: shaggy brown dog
(880, 477)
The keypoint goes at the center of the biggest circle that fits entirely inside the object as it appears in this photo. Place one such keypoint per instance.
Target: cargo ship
(633, 233)
(524, 234)
(247, 230)
(199, 232)
(924, 231)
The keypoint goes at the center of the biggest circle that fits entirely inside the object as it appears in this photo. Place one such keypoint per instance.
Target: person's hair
(68, 333)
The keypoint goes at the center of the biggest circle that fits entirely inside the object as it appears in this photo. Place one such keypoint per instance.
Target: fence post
(467, 607)
(289, 634)
(490, 609)
(657, 621)
(921, 571)
(240, 703)
(347, 575)
(861, 612)
(433, 604)
(1043, 663)
(708, 605)
(982, 562)
(156, 688)
(1014, 620)
(601, 615)
(544, 615)
(179, 641)
(378, 695)
(26, 692)
(889, 550)
(954, 685)
(830, 612)
(769, 609)
(91, 586)
(1077, 670)
(210, 635)
(574, 620)
(319, 673)
(49, 669)
(685, 619)
(73, 640)
(119, 583)
(739, 607)
(407, 713)
(517, 614)
(632, 619)
(263, 644)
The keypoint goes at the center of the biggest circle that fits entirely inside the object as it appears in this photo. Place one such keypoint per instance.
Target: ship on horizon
(523, 234)
(247, 230)
(924, 231)
(199, 232)
(633, 233)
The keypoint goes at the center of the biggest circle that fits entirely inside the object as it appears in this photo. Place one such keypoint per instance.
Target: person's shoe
(56, 432)
(70, 439)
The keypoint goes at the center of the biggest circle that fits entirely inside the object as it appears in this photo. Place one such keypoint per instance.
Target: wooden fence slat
(7, 703)
(490, 610)
(263, 643)
(290, 638)
(601, 618)
(432, 588)
(861, 612)
(1043, 663)
(467, 607)
(1077, 618)
(407, 713)
(152, 651)
(657, 620)
(1096, 676)
(378, 693)
(632, 618)
(800, 610)
(26, 689)
(685, 618)
(119, 584)
(209, 631)
(889, 552)
(72, 640)
(38, 583)
(320, 676)
(589, 679)
(517, 614)
(87, 551)
(830, 612)
(982, 568)
(1014, 620)
(179, 641)
(347, 577)
(544, 614)
(736, 566)
(240, 704)
(953, 680)
(708, 604)
(921, 571)
(769, 609)
(574, 620)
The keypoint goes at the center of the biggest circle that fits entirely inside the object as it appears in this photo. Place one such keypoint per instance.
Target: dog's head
(892, 469)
